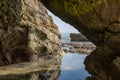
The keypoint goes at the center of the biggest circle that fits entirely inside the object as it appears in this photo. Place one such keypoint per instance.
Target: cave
(23, 21)
(99, 22)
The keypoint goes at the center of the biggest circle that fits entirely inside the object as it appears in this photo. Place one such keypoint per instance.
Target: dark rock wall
(99, 21)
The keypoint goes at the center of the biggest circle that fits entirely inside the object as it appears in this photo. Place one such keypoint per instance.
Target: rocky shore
(79, 47)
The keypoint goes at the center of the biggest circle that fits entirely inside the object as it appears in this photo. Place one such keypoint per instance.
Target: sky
(63, 27)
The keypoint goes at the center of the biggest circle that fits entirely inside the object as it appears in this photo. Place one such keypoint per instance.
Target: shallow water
(71, 64)
(73, 68)
(70, 67)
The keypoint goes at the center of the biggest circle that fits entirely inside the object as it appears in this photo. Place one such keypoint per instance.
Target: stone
(25, 29)
(77, 37)
(115, 28)
(78, 47)
(116, 63)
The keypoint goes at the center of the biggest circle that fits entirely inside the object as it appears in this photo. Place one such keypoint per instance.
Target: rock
(96, 60)
(79, 47)
(77, 37)
(116, 63)
(27, 32)
(65, 50)
(99, 21)
(116, 68)
(115, 28)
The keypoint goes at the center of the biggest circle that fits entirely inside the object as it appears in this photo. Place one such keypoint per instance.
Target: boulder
(77, 37)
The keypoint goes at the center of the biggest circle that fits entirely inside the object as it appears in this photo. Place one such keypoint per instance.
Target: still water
(72, 67)
(69, 67)
(72, 64)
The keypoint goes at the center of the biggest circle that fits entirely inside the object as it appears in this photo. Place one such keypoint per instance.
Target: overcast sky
(63, 27)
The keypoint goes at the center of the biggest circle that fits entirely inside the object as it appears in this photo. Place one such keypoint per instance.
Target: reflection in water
(73, 67)
(43, 70)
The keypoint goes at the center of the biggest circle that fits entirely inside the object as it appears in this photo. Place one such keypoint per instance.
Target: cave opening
(76, 47)
(27, 29)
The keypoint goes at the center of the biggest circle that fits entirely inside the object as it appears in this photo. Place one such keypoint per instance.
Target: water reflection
(43, 70)
(73, 67)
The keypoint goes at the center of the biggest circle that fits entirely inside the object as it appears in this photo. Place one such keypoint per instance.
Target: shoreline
(83, 47)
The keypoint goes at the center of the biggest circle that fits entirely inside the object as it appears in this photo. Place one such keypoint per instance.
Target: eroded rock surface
(99, 21)
(27, 32)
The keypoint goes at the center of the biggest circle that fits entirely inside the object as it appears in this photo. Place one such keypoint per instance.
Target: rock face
(99, 21)
(27, 32)
(77, 37)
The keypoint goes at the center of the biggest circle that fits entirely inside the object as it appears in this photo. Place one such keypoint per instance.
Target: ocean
(65, 37)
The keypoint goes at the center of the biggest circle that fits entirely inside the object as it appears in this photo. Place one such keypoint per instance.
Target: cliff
(27, 32)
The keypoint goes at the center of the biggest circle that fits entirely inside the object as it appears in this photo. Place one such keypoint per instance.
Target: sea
(72, 67)
(65, 37)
